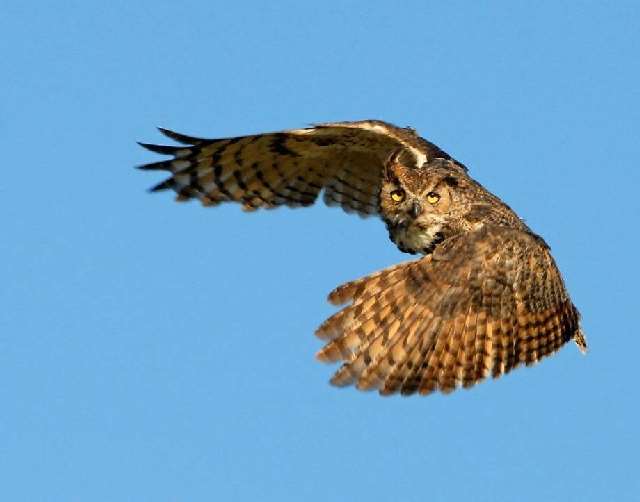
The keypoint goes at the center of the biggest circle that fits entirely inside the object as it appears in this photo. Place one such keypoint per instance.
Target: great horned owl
(485, 297)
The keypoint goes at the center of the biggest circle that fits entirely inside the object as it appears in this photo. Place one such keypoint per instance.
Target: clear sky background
(164, 352)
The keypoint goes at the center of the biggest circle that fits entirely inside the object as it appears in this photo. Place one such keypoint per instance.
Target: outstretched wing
(345, 159)
(481, 304)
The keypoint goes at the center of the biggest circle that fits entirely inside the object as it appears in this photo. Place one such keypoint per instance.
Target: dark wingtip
(162, 149)
(164, 185)
(180, 138)
(156, 166)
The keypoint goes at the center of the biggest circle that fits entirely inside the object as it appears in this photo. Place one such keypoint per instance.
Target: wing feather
(479, 305)
(343, 159)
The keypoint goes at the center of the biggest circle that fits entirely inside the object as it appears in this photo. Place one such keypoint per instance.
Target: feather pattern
(485, 298)
(452, 318)
(345, 159)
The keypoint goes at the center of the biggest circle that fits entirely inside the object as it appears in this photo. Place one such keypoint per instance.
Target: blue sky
(155, 351)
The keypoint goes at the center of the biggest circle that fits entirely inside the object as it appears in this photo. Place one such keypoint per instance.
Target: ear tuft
(392, 164)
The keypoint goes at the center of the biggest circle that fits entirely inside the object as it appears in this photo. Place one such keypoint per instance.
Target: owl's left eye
(433, 198)
(397, 195)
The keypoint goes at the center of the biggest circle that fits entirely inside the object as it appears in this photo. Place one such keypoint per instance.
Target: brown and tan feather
(345, 159)
(486, 297)
(453, 318)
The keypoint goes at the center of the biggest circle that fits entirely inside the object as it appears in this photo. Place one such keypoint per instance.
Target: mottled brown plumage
(486, 296)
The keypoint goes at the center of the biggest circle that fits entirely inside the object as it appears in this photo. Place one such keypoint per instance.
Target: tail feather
(581, 341)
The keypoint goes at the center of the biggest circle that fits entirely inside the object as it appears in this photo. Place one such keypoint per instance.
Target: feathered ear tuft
(394, 157)
(391, 164)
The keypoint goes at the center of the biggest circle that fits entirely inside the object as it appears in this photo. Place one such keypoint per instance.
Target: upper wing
(290, 168)
(481, 304)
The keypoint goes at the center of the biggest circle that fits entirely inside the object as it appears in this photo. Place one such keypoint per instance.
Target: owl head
(420, 207)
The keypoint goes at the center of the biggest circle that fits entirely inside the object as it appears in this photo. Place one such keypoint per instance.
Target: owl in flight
(484, 296)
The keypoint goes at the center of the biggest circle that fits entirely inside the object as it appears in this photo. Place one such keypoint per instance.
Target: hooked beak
(416, 209)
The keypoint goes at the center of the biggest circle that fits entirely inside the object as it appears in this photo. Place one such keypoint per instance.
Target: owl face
(417, 206)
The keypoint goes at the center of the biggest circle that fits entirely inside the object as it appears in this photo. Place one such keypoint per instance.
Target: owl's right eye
(397, 195)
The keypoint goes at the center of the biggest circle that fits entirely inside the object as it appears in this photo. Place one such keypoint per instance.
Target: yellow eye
(433, 198)
(397, 195)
